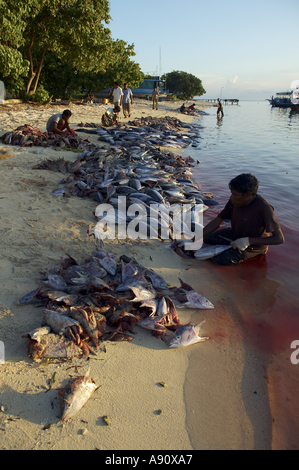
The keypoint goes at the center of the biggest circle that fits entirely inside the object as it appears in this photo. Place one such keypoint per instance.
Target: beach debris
(162, 384)
(5, 154)
(76, 393)
(106, 420)
(58, 192)
(187, 335)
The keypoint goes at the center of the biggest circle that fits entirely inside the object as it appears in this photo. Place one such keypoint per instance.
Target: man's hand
(241, 244)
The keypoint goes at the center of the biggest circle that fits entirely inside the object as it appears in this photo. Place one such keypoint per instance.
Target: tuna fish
(210, 251)
(75, 395)
(142, 294)
(152, 323)
(196, 300)
(187, 335)
(58, 323)
(31, 297)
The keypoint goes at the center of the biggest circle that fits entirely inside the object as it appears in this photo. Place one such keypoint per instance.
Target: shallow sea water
(256, 302)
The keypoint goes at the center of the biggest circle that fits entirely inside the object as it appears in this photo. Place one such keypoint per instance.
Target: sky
(239, 49)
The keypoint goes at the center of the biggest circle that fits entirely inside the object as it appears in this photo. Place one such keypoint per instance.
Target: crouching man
(253, 224)
(59, 123)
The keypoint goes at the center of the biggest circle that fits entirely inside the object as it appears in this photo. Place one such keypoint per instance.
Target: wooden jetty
(226, 101)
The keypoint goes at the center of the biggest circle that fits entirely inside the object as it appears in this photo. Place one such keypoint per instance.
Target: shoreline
(36, 231)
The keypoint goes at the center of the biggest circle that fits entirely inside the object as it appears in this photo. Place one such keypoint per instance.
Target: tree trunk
(32, 73)
(37, 75)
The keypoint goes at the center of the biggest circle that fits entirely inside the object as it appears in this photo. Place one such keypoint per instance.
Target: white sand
(36, 230)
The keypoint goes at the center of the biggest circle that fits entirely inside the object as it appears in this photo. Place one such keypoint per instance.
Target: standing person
(220, 108)
(127, 100)
(155, 98)
(253, 224)
(59, 123)
(117, 95)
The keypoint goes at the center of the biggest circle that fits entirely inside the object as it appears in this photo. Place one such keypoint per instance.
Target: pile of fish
(162, 132)
(133, 167)
(29, 136)
(89, 124)
(102, 299)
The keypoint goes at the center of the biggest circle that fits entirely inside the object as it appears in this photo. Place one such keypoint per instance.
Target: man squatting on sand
(253, 223)
(59, 123)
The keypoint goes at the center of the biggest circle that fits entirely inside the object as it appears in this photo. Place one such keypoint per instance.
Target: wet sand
(216, 392)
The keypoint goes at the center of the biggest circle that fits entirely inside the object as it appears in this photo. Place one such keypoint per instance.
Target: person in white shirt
(117, 95)
(127, 100)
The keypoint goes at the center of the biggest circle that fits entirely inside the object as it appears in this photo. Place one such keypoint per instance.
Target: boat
(295, 100)
(281, 100)
(147, 87)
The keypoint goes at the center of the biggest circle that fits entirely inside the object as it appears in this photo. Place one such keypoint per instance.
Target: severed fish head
(142, 294)
(109, 264)
(196, 300)
(187, 335)
(152, 323)
(75, 395)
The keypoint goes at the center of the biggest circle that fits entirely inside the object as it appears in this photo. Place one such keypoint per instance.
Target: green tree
(73, 31)
(184, 84)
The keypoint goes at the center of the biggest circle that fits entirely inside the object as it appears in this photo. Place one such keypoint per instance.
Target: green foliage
(41, 95)
(61, 44)
(185, 84)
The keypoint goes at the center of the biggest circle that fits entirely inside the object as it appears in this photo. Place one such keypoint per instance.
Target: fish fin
(186, 304)
(201, 339)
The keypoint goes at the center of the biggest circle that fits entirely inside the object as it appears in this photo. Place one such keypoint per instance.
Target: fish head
(198, 301)
(185, 336)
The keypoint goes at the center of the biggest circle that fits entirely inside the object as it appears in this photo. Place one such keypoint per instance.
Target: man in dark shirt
(253, 223)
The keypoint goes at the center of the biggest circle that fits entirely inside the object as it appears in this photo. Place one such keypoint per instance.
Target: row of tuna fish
(137, 169)
(162, 132)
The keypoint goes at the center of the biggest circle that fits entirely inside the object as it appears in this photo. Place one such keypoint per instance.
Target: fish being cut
(75, 395)
(208, 252)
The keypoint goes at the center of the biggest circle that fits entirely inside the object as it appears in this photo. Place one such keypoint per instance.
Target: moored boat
(281, 100)
(295, 100)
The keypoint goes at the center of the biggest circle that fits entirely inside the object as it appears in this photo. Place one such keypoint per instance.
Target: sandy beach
(216, 393)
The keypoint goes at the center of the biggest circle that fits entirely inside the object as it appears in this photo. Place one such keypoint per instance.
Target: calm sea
(256, 138)
(259, 304)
